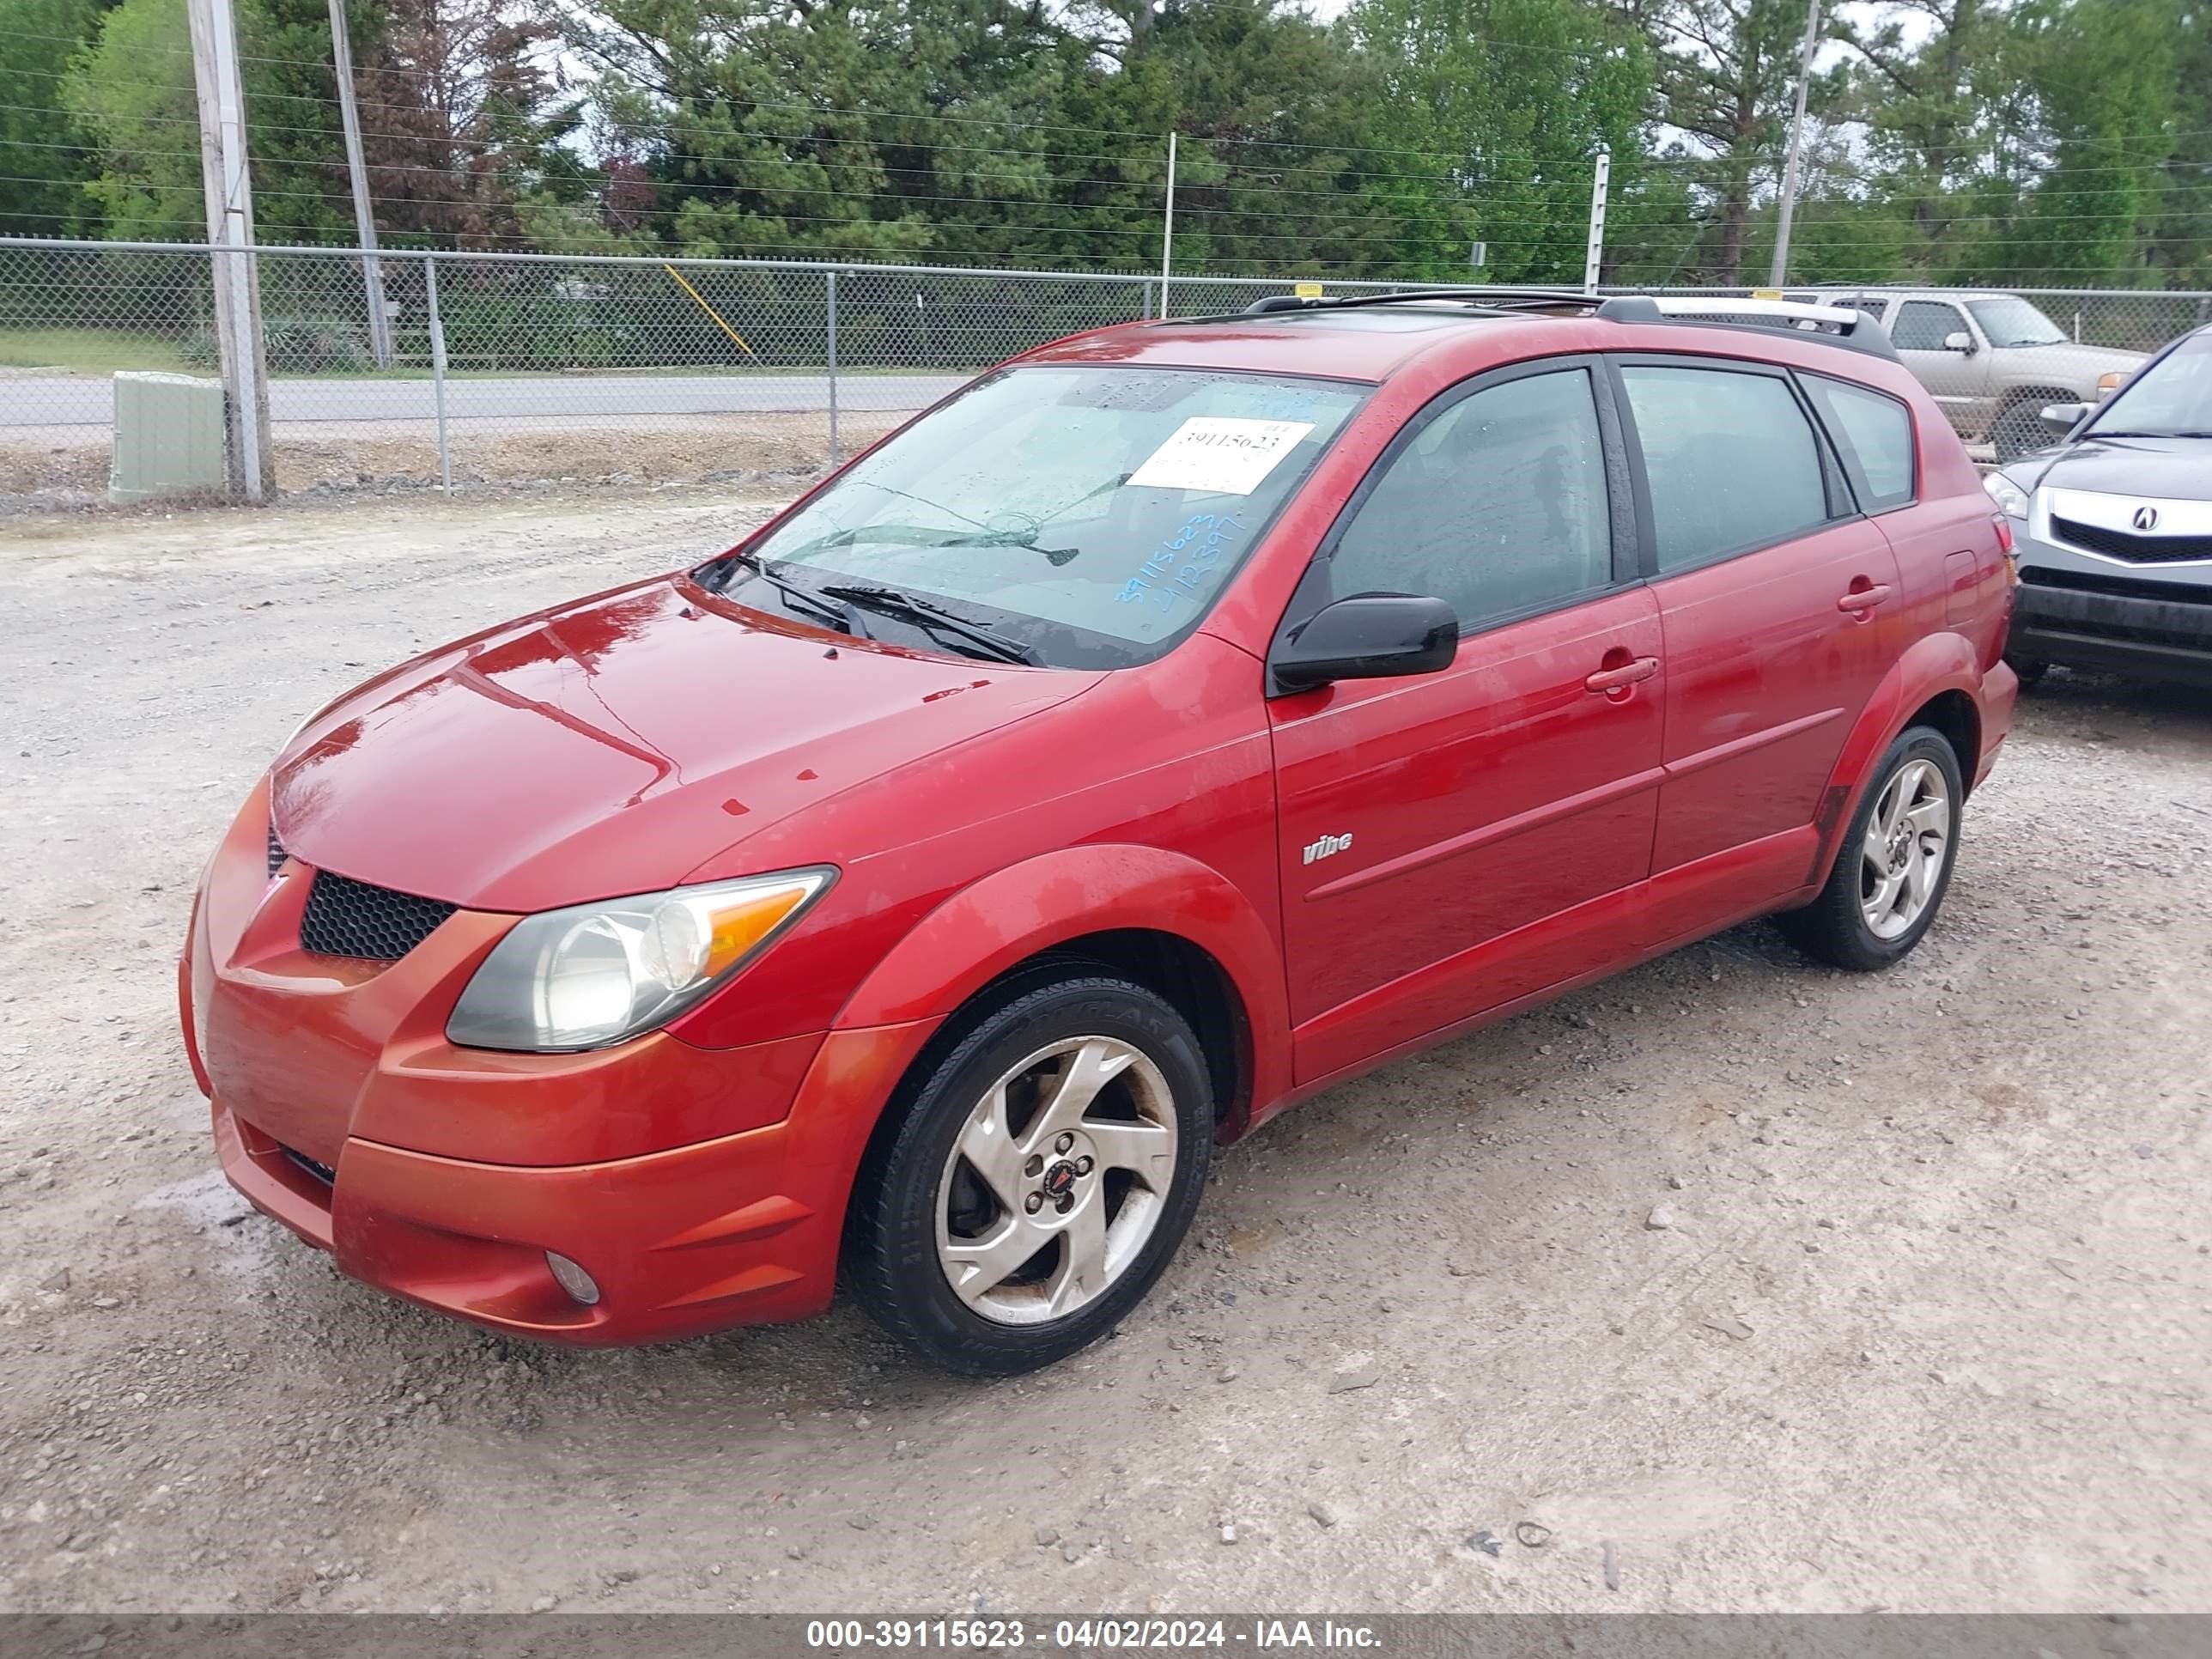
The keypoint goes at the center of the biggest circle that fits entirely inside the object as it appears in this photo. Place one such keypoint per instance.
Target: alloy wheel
(1056, 1181)
(1907, 839)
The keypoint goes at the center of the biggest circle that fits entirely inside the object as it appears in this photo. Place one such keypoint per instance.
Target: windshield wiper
(922, 535)
(890, 602)
(841, 617)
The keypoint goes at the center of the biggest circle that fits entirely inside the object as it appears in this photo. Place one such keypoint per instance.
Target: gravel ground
(1777, 1288)
(46, 469)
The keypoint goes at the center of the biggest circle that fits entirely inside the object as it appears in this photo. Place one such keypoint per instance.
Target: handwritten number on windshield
(1182, 562)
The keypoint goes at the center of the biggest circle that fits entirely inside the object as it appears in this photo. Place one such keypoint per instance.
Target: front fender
(1934, 664)
(1013, 913)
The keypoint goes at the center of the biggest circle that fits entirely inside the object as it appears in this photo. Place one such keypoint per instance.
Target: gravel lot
(1925, 1321)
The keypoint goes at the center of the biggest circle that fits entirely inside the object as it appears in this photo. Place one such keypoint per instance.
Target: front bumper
(701, 1188)
(2154, 628)
(741, 1230)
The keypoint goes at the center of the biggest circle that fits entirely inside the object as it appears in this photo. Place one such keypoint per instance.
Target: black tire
(2018, 431)
(891, 1260)
(2031, 670)
(1833, 928)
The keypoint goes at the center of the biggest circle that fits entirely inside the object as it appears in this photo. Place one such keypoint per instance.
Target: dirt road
(1924, 1320)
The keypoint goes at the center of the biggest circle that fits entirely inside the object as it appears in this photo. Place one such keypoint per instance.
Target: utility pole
(1594, 255)
(1779, 271)
(1167, 231)
(364, 217)
(237, 283)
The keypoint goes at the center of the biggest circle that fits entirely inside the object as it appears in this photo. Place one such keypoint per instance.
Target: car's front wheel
(2019, 431)
(1895, 863)
(1040, 1178)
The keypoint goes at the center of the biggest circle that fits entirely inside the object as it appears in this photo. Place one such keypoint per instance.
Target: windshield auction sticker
(1220, 454)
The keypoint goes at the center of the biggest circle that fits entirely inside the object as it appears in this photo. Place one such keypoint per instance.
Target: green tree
(1502, 107)
(131, 95)
(1726, 77)
(43, 173)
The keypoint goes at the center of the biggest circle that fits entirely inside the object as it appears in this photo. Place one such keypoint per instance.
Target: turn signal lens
(581, 1285)
(2109, 382)
(597, 974)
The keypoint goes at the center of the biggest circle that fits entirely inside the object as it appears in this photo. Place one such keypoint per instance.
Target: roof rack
(1837, 325)
(1490, 298)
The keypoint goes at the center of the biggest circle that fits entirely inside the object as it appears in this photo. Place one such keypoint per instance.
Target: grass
(102, 351)
(91, 352)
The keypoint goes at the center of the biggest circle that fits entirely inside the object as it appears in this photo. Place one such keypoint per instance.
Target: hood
(2169, 468)
(614, 745)
(2080, 359)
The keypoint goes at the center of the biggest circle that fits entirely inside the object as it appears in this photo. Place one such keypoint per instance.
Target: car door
(1453, 841)
(1779, 612)
(1957, 381)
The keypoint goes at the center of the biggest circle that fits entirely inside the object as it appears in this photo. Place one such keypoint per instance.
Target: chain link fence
(509, 367)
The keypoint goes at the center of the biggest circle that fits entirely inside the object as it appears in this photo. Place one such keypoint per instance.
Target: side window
(1499, 504)
(1873, 431)
(1873, 304)
(1730, 459)
(1921, 325)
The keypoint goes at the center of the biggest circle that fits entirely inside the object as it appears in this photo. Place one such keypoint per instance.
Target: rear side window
(1874, 434)
(1731, 460)
(1497, 505)
(1874, 305)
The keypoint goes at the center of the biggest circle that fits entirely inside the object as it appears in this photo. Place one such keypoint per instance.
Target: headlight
(2011, 499)
(2109, 382)
(585, 977)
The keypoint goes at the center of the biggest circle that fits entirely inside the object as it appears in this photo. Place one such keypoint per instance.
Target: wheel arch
(1933, 682)
(1158, 918)
(2012, 399)
(2013, 396)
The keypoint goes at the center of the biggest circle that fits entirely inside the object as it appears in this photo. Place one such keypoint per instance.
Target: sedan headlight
(2011, 499)
(585, 977)
(2109, 382)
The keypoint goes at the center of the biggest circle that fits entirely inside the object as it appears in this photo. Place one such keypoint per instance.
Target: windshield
(2014, 322)
(1092, 515)
(2172, 398)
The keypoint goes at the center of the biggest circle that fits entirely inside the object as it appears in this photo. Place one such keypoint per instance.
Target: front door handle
(1609, 680)
(1860, 600)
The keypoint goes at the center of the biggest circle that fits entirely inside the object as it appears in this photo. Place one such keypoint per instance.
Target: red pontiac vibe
(1181, 718)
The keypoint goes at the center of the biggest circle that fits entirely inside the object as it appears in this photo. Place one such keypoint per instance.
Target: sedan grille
(2126, 544)
(347, 918)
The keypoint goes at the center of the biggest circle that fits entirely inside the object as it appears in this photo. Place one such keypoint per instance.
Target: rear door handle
(1864, 599)
(1620, 678)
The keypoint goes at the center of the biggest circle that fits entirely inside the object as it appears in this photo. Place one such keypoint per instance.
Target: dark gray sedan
(2114, 528)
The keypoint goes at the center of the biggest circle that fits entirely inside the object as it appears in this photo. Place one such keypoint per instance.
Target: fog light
(573, 1279)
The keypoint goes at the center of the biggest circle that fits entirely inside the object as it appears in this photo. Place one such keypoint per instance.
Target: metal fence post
(437, 368)
(1594, 255)
(834, 456)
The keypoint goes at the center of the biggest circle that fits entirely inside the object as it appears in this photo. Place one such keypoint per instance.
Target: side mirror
(2062, 418)
(1960, 342)
(1368, 636)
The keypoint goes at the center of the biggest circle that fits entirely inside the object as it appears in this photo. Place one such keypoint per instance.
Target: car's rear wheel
(1045, 1171)
(1894, 865)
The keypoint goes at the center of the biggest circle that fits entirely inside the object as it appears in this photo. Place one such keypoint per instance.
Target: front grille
(349, 918)
(275, 851)
(321, 1171)
(2126, 544)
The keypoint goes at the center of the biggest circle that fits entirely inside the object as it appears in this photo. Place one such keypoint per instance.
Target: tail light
(2005, 547)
